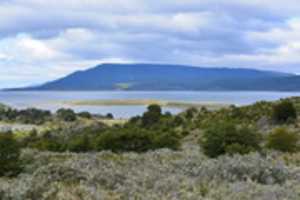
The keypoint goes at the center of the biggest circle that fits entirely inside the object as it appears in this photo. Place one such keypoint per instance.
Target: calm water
(52, 100)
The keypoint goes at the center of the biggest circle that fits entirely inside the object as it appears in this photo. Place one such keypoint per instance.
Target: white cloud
(42, 40)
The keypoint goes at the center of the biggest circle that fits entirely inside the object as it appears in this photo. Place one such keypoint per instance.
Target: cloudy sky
(41, 40)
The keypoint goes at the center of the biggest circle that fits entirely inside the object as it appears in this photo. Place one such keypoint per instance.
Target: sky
(43, 40)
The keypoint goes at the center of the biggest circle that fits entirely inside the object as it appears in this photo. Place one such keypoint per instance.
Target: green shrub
(80, 144)
(9, 155)
(168, 140)
(151, 116)
(31, 138)
(109, 116)
(190, 113)
(67, 115)
(178, 121)
(225, 137)
(284, 112)
(48, 142)
(282, 140)
(136, 139)
(86, 115)
(124, 140)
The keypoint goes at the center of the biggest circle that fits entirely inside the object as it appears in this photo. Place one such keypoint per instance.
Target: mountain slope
(171, 77)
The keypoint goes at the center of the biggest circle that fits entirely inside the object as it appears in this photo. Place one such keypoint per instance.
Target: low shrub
(9, 155)
(283, 140)
(225, 137)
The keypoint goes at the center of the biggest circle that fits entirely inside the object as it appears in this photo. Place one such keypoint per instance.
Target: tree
(284, 111)
(9, 155)
(282, 140)
(151, 116)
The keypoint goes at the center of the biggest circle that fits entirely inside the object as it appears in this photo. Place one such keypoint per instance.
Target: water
(53, 100)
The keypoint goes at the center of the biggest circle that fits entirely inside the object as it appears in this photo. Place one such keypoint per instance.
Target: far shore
(146, 102)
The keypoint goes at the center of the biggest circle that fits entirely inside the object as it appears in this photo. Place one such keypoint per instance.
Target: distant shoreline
(146, 102)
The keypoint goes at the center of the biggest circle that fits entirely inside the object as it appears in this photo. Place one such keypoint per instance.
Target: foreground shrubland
(160, 174)
(247, 153)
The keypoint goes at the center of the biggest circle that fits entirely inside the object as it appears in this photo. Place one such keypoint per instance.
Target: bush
(284, 111)
(33, 116)
(136, 139)
(86, 115)
(282, 140)
(226, 137)
(67, 115)
(190, 113)
(109, 116)
(48, 142)
(152, 116)
(125, 140)
(178, 121)
(166, 140)
(9, 155)
(80, 144)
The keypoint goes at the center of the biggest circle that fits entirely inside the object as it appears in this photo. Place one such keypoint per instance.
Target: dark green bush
(124, 140)
(9, 155)
(48, 142)
(168, 140)
(27, 116)
(86, 115)
(284, 112)
(225, 137)
(283, 140)
(178, 121)
(109, 116)
(33, 116)
(190, 113)
(67, 115)
(80, 144)
(151, 116)
(136, 139)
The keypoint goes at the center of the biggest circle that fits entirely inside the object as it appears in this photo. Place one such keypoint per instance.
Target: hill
(146, 77)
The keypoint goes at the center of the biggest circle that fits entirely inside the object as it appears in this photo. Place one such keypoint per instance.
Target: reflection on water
(53, 100)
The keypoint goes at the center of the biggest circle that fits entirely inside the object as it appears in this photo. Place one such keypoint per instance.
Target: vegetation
(86, 115)
(226, 137)
(149, 132)
(9, 155)
(67, 115)
(284, 111)
(152, 116)
(283, 140)
(156, 148)
(27, 116)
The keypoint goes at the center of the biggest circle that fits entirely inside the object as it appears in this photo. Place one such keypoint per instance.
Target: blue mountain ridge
(152, 77)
